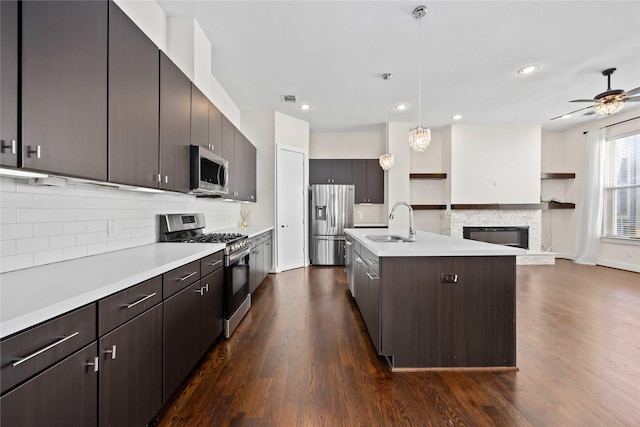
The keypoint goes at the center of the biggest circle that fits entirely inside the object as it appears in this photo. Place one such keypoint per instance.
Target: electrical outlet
(111, 228)
(448, 278)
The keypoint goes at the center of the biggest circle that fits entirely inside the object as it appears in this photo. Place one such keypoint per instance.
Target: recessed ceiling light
(566, 116)
(456, 117)
(528, 69)
(305, 107)
(401, 107)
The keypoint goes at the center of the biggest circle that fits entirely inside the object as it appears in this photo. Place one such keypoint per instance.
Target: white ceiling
(331, 54)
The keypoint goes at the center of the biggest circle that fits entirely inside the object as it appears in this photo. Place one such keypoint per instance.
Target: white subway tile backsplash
(23, 186)
(8, 184)
(8, 215)
(15, 231)
(97, 248)
(63, 241)
(48, 257)
(47, 229)
(16, 262)
(34, 244)
(47, 201)
(7, 247)
(75, 227)
(33, 215)
(75, 252)
(74, 202)
(17, 200)
(96, 225)
(86, 238)
(87, 214)
(62, 214)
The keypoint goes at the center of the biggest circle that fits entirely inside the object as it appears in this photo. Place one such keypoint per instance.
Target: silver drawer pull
(112, 352)
(187, 276)
(96, 360)
(372, 261)
(375, 277)
(143, 299)
(42, 350)
(214, 263)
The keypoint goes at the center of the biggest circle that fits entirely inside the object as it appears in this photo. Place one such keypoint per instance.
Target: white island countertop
(427, 244)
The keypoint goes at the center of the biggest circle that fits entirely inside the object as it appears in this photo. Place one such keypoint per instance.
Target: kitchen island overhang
(442, 303)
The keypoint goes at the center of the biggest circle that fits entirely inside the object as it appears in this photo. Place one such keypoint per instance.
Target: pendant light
(386, 160)
(419, 138)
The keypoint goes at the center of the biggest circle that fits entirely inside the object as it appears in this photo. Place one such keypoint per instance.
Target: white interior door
(290, 209)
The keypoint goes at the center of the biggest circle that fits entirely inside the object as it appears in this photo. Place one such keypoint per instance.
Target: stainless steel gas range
(188, 228)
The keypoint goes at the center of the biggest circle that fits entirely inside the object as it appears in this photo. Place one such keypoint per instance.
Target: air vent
(289, 98)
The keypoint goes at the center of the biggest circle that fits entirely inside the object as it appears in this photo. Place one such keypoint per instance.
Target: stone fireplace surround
(453, 221)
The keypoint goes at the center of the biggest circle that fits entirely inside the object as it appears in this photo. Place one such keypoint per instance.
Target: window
(622, 187)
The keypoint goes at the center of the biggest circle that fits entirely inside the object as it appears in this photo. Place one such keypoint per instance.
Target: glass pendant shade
(608, 107)
(419, 138)
(386, 161)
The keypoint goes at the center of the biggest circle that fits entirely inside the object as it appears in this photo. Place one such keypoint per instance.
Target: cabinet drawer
(30, 352)
(211, 263)
(371, 259)
(115, 310)
(179, 278)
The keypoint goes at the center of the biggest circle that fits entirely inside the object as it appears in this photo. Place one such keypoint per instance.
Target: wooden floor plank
(302, 357)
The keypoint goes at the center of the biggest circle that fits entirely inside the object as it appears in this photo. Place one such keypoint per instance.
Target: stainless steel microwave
(209, 172)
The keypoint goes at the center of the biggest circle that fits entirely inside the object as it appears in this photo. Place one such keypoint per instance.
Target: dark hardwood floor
(301, 357)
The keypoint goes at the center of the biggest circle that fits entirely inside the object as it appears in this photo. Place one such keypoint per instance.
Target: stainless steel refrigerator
(331, 212)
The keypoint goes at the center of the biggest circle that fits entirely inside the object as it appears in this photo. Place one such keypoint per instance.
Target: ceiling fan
(608, 102)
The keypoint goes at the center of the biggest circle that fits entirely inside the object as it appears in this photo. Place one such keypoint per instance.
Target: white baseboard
(619, 265)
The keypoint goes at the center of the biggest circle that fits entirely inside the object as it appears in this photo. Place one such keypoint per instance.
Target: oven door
(236, 281)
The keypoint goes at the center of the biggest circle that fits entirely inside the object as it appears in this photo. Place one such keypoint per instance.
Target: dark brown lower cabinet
(131, 371)
(212, 309)
(64, 395)
(367, 288)
(181, 337)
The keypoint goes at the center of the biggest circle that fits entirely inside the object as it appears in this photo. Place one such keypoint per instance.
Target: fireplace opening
(517, 237)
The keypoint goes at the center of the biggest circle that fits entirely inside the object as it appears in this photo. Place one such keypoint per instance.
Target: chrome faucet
(412, 231)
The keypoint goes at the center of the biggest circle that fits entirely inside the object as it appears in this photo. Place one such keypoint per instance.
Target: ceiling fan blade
(632, 91)
(560, 116)
(583, 100)
(633, 99)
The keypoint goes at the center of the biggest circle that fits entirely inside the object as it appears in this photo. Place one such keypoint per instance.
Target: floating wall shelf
(429, 207)
(427, 176)
(556, 175)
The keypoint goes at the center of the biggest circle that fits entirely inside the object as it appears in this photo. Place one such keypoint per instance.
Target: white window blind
(622, 187)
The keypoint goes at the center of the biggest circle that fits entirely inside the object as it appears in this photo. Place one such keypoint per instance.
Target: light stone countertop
(34, 295)
(427, 244)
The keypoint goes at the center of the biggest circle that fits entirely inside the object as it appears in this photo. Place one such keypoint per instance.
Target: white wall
(150, 17)
(40, 225)
(495, 164)
(291, 131)
(398, 175)
(346, 145)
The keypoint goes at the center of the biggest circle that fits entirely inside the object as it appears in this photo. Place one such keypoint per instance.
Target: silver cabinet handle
(42, 350)
(214, 263)
(143, 299)
(112, 352)
(159, 178)
(166, 179)
(96, 360)
(206, 287)
(348, 243)
(37, 151)
(372, 261)
(13, 145)
(374, 277)
(187, 276)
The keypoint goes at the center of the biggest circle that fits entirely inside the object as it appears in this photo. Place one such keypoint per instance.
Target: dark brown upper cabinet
(228, 151)
(9, 84)
(239, 171)
(330, 171)
(215, 130)
(368, 178)
(64, 87)
(199, 118)
(134, 75)
(175, 126)
(250, 167)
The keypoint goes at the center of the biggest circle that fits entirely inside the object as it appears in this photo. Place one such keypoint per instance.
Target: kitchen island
(438, 302)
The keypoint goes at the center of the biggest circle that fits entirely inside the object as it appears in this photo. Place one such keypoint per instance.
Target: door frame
(305, 172)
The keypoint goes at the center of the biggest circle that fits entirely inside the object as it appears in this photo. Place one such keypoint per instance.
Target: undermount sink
(388, 238)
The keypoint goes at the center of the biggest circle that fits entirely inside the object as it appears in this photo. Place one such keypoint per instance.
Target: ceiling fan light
(608, 107)
(419, 138)
(386, 161)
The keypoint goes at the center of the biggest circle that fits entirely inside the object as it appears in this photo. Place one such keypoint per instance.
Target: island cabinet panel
(9, 83)
(131, 371)
(64, 87)
(175, 126)
(64, 395)
(429, 324)
(134, 74)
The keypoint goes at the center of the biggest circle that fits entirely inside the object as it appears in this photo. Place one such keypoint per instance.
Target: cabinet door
(361, 286)
(228, 151)
(341, 171)
(375, 181)
(9, 84)
(212, 307)
(238, 163)
(64, 87)
(175, 126)
(64, 395)
(373, 308)
(250, 168)
(360, 180)
(215, 130)
(319, 171)
(199, 118)
(268, 257)
(181, 337)
(131, 371)
(134, 75)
